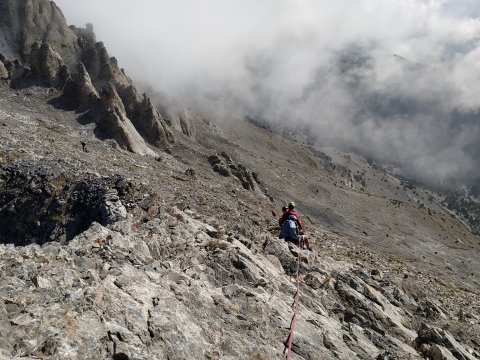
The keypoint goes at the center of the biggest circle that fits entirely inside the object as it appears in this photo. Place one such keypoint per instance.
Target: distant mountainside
(386, 107)
(132, 233)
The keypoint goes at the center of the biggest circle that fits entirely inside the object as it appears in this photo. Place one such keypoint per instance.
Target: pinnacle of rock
(79, 92)
(146, 119)
(48, 64)
(112, 120)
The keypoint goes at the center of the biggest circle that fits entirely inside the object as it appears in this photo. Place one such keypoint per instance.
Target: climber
(304, 242)
(291, 211)
(84, 146)
(291, 228)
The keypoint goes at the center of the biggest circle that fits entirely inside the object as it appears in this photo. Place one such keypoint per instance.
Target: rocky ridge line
(41, 50)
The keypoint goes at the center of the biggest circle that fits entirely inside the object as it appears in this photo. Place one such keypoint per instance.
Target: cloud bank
(397, 80)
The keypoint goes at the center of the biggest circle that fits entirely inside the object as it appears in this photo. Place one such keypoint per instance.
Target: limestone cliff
(48, 53)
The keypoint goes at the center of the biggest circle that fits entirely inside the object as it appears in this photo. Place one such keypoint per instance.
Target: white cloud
(325, 65)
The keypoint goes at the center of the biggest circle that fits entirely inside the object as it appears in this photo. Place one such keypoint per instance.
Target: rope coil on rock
(297, 303)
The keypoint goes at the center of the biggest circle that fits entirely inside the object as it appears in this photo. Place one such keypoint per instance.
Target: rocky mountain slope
(110, 254)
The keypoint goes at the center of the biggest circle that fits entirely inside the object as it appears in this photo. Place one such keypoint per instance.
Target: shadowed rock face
(36, 33)
(41, 206)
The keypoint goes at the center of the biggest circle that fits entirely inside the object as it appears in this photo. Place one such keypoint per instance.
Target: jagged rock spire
(114, 123)
(36, 33)
(48, 64)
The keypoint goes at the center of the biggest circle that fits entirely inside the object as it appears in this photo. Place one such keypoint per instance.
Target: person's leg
(305, 240)
(301, 242)
(307, 243)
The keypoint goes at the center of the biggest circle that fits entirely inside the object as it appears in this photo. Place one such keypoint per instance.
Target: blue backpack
(289, 228)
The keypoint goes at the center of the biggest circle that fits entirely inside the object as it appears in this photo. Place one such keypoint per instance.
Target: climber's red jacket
(290, 212)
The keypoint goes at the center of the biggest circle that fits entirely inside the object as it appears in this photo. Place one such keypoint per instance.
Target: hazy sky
(396, 79)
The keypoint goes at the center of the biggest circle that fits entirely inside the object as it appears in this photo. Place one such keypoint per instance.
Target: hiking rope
(297, 302)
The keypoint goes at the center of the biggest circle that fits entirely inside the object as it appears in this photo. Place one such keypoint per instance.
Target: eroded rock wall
(49, 53)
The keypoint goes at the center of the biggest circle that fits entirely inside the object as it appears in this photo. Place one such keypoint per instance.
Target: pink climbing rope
(297, 302)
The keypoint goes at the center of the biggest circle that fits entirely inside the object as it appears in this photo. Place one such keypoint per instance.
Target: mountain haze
(393, 80)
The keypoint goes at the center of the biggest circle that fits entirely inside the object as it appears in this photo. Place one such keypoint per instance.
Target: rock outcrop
(79, 93)
(145, 117)
(49, 53)
(113, 122)
(225, 166)
(39, 206)
(48, 64)
(178, 117)
(182, 120)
